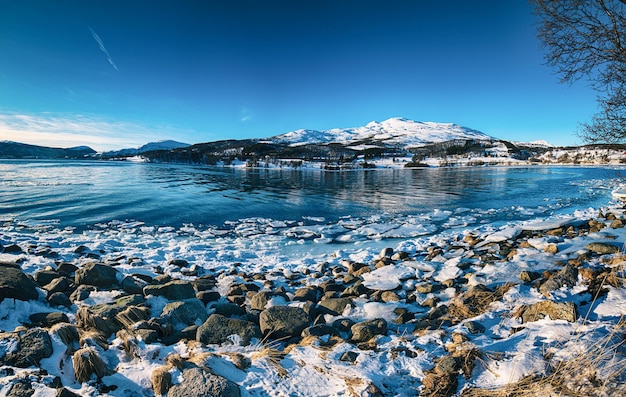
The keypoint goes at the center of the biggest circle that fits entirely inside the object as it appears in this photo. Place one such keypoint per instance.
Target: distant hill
(148, 147)
(16, 150)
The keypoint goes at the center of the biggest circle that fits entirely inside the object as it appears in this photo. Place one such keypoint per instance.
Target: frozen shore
(279, 308)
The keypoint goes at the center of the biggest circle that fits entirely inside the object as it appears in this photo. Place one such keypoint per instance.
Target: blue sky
(113, 74)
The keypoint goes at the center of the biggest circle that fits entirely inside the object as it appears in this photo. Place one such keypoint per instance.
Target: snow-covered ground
(399, 363)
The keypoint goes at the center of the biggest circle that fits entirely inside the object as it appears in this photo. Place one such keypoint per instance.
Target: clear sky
(113, 74)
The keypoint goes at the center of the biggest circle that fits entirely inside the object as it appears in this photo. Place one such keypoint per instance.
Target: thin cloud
(103, 48)
(245, 114)
(61, 130)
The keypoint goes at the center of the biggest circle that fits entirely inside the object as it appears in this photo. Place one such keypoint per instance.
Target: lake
(83, 193)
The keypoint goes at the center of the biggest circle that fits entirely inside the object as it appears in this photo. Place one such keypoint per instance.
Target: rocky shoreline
(194, 326)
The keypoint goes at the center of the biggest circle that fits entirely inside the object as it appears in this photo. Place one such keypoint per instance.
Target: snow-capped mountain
(397, 132)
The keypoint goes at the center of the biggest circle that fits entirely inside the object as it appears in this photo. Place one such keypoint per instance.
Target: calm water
(79, 193)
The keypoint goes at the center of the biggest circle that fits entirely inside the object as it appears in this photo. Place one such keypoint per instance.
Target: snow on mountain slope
(392, 132)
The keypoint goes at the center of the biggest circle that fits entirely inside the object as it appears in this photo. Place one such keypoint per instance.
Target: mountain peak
(395, 131)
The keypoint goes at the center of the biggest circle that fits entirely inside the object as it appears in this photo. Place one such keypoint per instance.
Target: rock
(48, 319)
(389, 296)
(178, 263)
(14, 284)
(228, 309)
(283, 321)
(101, 317)
(260, 300)
(59, 284)
(602, 248)
(97, 274)
(173, 290)
(349, 356)
(87, 363)
(448, 365)
(320, 330)
(59, 299)
(529, 276)
(386, 252)
(81, 293)
(13, 249)
(308, 293)
(181, 314)
(33, 346)
(21, 387)
(43, 277)
(63, 392)
(208, 296)
(334, 306)
(474, 327)
(555, 310)
(551, 248)
(133, 285)
(201, 383)
(567, 276)
(204, 283)
(364, 331)
(217, 328)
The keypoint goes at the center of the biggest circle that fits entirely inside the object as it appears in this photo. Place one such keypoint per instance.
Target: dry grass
(597, 370)
(87, 363)
(161, 380)
(69, 335)
(270, 353)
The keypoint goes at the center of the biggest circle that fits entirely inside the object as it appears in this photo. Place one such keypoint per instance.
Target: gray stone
(555, 310)
(308, 293)
(33, 346)
(48, 319)
(283, 321)
(364, 331)
(173, 290)
(43, 277)
(201, 383)
(474, 327)
(228, 309)
(59, 299)
(59, 284)
(217, 328)
(334, 306)
(260, 300)
(386, 252)
(181, 314)
(602, 248)
(448, 365)
(320, 330)
(349, 356)
(567, 276)
(21, 388)
(133, 285)
(97, 274)
(14, 284)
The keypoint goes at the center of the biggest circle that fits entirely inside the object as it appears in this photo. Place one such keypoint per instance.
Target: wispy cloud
(103, 48)
(62, 130)
(245, 114)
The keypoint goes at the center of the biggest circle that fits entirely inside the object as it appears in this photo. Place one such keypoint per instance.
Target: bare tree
(587, 39)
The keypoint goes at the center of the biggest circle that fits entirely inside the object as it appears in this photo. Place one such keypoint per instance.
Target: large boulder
(173, 290)
(217, 328)
(364, 331)
(334, 306)
(97, 274)
(283, 321)
(200, 383)
(14, 284)
(181, 314)
(102, 317)
(32, 346)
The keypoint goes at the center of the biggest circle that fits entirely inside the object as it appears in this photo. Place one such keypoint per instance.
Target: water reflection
(90, 192)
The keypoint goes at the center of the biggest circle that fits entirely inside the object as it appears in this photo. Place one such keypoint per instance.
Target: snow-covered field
(448, 339)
